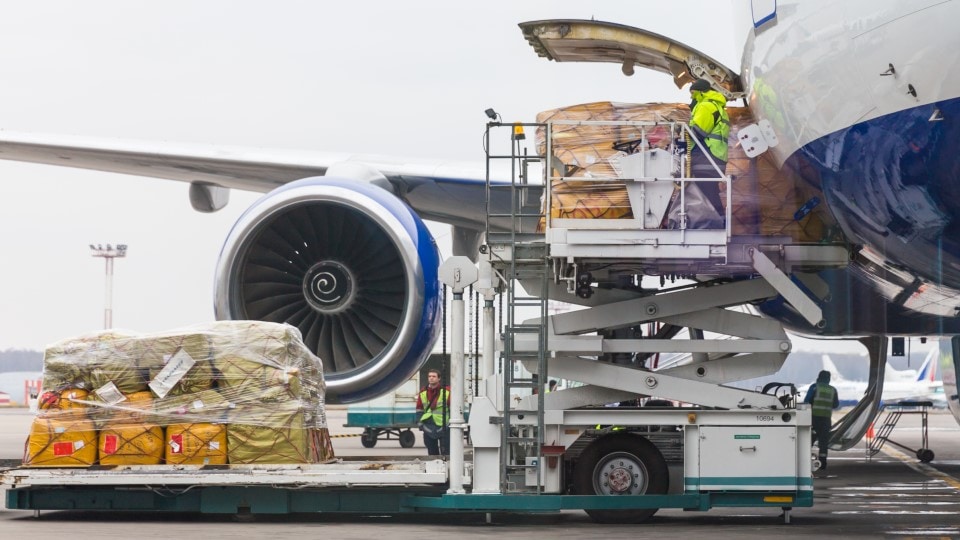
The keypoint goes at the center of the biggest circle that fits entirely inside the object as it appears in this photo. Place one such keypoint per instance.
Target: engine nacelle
(350, 265)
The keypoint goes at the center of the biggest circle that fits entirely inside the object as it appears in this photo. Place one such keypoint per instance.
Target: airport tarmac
(891, 495)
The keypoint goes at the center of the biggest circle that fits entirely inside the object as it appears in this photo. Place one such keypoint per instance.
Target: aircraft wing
(445, 192)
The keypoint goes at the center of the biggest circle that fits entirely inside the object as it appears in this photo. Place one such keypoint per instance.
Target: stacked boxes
(766, 199)
(224, 393)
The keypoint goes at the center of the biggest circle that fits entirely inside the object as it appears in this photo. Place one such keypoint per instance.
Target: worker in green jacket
(824, 399)
(433, 410)
(711, 125)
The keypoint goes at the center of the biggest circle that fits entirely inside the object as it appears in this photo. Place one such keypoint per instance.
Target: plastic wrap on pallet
(181, 397)
(766, 200)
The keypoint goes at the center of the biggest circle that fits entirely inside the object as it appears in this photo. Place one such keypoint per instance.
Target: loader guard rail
(668, 212)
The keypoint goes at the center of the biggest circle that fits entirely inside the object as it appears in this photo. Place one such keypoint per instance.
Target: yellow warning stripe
(346, 435)
(921, 468)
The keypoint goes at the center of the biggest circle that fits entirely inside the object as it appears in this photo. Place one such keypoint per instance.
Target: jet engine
(351, 266)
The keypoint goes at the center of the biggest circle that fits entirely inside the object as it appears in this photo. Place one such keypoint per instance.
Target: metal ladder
(894, 412)
(516, 237)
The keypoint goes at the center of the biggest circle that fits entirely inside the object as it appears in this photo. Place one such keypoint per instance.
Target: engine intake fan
(348, 264)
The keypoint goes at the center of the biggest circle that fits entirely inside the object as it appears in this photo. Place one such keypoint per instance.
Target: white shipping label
(110, 394)
(77, 445)
(214, 445)
(174, 447)
(178, 366)
(198, 404)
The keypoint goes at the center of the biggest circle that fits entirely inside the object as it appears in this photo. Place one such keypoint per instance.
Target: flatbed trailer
(343, 487)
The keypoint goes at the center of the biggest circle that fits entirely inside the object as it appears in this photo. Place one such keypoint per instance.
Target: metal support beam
(656, 384)
(631, 312)
(457, 272)
(571, 398)
(788, 289)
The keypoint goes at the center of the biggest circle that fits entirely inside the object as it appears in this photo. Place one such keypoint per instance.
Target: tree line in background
(21, 360)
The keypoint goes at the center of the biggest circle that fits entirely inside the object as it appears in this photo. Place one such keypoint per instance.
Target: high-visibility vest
(428, 410)
(712, 106)
(823, 400)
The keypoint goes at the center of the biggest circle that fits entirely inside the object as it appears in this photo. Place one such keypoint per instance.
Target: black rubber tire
(407, 439)
(614, 449)
(925, 455)
(368, 439)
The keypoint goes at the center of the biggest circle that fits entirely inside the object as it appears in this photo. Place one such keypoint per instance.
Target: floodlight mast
(108, 254)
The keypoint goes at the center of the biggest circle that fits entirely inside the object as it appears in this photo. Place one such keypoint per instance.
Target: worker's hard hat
(700, 85)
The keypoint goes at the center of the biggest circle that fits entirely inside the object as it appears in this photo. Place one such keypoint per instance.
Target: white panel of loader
(748, 458)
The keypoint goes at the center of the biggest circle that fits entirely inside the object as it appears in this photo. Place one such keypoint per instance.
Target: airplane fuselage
(865, 99)
(867, 104)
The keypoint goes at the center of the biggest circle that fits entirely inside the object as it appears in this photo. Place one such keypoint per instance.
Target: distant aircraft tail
(928, 370)
(828, 365)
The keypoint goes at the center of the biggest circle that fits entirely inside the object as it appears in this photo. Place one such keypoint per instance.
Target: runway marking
(921, 468)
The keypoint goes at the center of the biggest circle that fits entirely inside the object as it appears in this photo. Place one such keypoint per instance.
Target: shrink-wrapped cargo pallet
(765, 200)
(182, 397)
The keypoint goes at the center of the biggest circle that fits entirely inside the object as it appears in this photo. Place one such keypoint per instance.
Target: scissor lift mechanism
(538, 428)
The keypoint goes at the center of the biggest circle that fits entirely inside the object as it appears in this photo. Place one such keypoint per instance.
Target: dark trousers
(438, 446)
(700, 167)
(821, 434)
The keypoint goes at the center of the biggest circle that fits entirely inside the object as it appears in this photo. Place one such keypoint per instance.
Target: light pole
(109, 254)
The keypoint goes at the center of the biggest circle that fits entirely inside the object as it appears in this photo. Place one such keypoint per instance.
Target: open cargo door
(594, 41)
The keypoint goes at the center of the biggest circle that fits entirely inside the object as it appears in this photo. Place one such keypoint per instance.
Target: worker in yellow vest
(711, 124)
(433, 409)
(824, 399)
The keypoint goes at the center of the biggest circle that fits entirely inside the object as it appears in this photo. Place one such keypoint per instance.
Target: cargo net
(230, 392)
(765, 200)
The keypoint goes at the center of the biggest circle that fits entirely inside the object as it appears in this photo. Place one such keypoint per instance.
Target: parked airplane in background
(898, 385)
(860, 109)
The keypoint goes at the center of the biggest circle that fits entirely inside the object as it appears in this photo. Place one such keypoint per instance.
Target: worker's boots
(823, 462)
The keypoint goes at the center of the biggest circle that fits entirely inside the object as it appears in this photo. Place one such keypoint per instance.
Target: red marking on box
(62, 448)
(109, 444)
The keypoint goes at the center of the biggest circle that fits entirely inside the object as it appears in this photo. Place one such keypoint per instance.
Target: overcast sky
(407, 79)
(394, 78)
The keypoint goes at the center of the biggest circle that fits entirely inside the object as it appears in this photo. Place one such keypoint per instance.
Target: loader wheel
(925, 455)
(369, 438)
(621, 465)
(407, 439)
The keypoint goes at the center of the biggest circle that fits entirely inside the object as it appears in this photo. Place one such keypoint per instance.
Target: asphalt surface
(890, 495)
